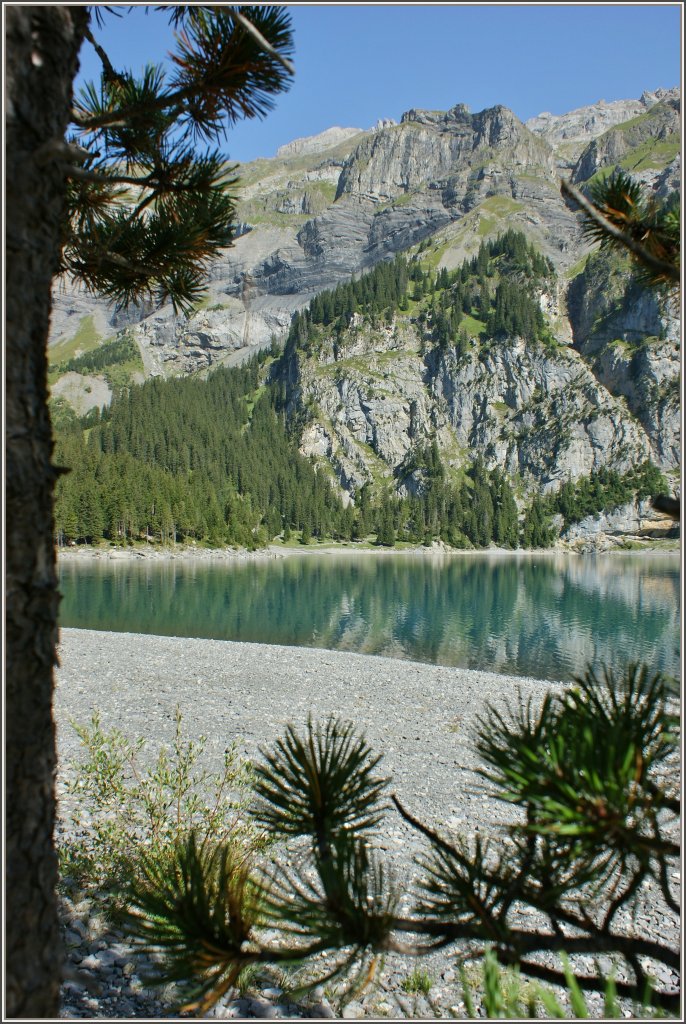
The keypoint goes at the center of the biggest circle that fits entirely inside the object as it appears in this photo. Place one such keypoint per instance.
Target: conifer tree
(146, 210)
(125, 190)
(590, 773)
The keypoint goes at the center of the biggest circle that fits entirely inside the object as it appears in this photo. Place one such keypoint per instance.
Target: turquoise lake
(543, 616)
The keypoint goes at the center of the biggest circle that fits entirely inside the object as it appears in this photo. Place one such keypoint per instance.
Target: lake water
(543, 616)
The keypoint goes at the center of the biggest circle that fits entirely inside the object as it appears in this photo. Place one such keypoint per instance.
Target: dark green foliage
(62, 414)
(319, 785)
(146, 213)
(385, 534)
(594, 749)
(537, 531)
(199, 905)
(518, 270)
(633, 220)
(186, 459)
(605, 489)
(189, 459)
(593, 772)
(213, 460)
(201, 908)
(348, 903)
(110, 353)
(505, 513)
(325, 787)
(474, 513)
(218, 50)
(382, 289)
(515, 313)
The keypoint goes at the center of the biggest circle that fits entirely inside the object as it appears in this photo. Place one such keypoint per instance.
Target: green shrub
(126, 810)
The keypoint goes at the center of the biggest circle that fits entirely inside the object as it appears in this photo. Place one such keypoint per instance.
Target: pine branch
(120, 261)
(60, 149)
(83, 174)
(110, 72)
(658, 266)
(424, 829)
(666, 890)
(664, 1000)
(518, 883)
(262, 42)
(534, 942)
(120, 117)
(210, 87)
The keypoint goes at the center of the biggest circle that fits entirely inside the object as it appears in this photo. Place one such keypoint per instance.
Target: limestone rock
(631, 339)
(317, 143)
(660, 123)
(333, 205)
(636, 521)
(541, 415)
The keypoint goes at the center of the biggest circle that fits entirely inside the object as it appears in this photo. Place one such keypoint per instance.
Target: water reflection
(545, 616)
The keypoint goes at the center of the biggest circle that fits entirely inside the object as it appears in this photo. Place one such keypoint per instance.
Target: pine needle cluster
(592, 773)
(623, 215)
(147, 209)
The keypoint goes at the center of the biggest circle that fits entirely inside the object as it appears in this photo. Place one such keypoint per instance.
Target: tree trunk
(41, 47)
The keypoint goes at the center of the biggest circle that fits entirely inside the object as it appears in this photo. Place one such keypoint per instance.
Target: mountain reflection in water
(543, 616)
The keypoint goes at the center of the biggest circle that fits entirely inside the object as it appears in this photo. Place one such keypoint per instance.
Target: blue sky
(356, 63)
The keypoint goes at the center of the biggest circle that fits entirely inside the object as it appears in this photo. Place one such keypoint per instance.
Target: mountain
(603, 391)
(570, 133)
(543, 405)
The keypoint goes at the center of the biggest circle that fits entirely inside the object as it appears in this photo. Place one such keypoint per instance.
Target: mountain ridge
(436, 187)
(296, 237)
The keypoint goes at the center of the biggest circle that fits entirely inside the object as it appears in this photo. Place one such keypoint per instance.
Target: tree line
(498, 289)
(122, 349)
(217, 462)
(604, 489)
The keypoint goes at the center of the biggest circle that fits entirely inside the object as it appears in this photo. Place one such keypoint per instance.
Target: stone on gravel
(142, 681)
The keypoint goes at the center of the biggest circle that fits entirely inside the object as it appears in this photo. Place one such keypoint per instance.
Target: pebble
(353, 1010)
(265, 694)
(261, 1008)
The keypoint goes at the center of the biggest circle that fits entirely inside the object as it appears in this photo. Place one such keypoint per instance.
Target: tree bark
(41, 46)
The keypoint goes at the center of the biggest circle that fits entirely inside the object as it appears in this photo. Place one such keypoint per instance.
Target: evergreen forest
(490, 297)
(215, 461)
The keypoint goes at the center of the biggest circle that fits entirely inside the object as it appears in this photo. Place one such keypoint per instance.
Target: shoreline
(188, 553)
(422, 718)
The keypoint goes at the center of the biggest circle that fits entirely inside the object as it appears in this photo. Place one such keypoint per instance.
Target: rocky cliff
(539, 413)
(569, 134)
(434, 187)
(335, 204)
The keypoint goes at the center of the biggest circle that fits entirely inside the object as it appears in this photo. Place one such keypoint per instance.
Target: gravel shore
(437, 549)
(423, 719)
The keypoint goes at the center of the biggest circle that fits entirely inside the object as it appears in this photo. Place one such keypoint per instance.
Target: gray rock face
(543, 416)
(660, 123)
(439, 148)
(328, 207)
(636, 521)
(569, 133)
(82, 391)
(585, 123)
(335, 204)
(631, 339)
(317, 143)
